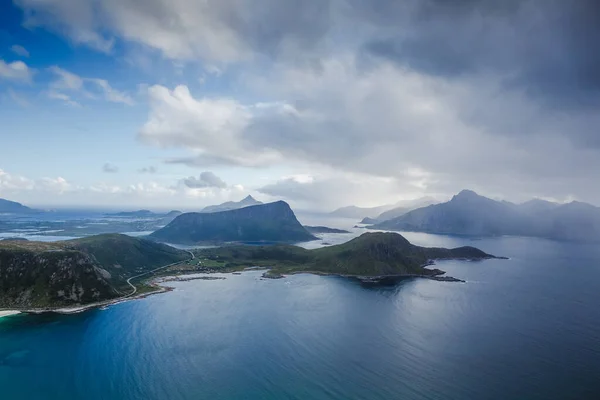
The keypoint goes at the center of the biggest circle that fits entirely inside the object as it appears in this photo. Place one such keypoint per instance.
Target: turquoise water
(524, 328)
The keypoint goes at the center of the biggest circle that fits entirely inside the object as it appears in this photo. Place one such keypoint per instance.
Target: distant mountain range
(232, 205)
(12, 207)
(371, 215)
(355, 212)
(272, 222)
(401, 208)
(468, 213)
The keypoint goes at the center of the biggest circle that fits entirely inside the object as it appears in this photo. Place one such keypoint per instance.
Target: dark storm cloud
(549, 48)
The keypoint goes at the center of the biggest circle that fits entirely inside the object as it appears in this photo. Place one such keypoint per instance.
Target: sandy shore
(9, 312)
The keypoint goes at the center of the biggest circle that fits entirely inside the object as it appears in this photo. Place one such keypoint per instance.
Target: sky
(322, 103)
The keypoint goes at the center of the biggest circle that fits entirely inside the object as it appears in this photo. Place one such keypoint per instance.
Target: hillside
(232, 205)
(12, 207)
(273, 222)
(468, 213)
(38, 275)
(370, 255)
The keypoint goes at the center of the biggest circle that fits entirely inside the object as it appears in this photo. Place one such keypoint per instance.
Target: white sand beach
(8, 312)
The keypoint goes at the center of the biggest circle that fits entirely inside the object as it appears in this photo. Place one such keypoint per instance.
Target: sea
(524, 328)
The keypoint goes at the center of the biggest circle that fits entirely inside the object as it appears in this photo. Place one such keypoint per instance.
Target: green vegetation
(82, 271)
(273, 222)
(370, 255)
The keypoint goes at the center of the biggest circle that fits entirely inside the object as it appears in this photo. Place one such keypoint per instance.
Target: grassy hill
(37, 274)
(370, 255)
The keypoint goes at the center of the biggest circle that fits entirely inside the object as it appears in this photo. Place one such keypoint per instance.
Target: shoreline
(8, 313)
(160, 284)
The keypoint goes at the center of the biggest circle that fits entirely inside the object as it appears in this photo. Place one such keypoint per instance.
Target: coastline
(160, 284)
(8, 313)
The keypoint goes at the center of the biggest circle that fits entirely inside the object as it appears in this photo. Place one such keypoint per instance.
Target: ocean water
(524, 328)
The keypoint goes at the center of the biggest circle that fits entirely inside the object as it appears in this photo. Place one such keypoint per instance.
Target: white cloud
(15, 71)
(211, 127)
(53, 94)
(110, 93)
(68, 81)
(19, 50)
(10, 182)
(56, 185)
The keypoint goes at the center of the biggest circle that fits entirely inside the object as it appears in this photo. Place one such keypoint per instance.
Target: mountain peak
(466, 194)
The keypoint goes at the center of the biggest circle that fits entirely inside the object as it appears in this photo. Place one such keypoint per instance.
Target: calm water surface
(524, 328)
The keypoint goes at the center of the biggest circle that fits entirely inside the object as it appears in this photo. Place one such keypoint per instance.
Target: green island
(372, 258)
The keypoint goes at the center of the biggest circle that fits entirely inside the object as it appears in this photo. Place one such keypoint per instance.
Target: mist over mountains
(468, 213)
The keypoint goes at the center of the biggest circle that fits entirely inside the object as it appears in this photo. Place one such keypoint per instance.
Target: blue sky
(321, 103)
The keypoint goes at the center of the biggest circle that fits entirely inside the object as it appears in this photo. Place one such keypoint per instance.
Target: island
(324, 229)
(380, 257)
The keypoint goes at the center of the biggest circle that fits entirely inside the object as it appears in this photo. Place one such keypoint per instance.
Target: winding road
(134, 289)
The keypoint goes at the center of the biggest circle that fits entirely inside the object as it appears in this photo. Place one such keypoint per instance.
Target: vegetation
(38, 275)
(371, 254)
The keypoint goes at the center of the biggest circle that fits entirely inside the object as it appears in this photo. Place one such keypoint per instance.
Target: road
(134, 289)
(70, 310)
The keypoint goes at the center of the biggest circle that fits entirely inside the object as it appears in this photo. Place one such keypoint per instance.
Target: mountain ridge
(468, 213)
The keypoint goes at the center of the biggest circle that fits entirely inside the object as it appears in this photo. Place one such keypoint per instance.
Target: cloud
(206, 179)
(110, 168)
(10, 182)
(88, 87)
(19, 50)
(212, 127)
(75, 19)
(110, 93)
(148, 170)
(16, 71)
(216, 30)
(66, 80)
(53, 94)
(330, 189)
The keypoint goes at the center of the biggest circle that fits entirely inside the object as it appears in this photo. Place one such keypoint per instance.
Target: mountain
(232, 205)
(12, 207)
(272, 222)
(39, 275)
(468, 213)
(371, 256)
(359, 212)
(402, 207)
